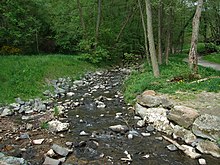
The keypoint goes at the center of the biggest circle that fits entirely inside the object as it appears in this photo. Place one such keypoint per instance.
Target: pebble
(150, 128)
(172, 147)
(146, 156)
(202, 161)
(141, 123)
(69, 144)
(145, 134)
(50, 161)
(83, 133)
(159, 138)
(38, 141)
(50, 153)
(130, 136)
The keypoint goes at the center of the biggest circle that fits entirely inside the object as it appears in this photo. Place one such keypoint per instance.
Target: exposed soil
(204, 102)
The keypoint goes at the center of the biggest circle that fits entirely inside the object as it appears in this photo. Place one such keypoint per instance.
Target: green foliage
(211, 47)
(27, 76)
(44, 125)
(174, 77)
(56, 111)
(96, 56)
(9, 50)
(215, 57)
(19, 24)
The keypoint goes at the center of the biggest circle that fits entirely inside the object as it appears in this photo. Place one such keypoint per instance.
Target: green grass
(27, 76)
(213, 58)
(144, 80)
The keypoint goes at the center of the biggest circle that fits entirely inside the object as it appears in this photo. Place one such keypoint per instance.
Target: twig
(204, 79)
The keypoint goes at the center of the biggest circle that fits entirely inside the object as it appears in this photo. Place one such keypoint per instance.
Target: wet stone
(172, 147)
(50, 161)
(150, 128)
(60, 150)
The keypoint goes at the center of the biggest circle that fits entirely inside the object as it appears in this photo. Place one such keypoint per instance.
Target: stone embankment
(199, 132)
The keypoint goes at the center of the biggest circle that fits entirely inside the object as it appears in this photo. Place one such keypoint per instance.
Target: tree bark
(159, 33)
(81, 18)
(151, 39)
(193, 55)
(145, 32)
(98, 22)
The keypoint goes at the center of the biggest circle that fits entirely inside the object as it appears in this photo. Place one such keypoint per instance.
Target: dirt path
(206, 64)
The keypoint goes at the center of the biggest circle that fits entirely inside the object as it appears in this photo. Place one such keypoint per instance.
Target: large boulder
(207, 126)
(209, 147)
(156, 116)
(149, 99)
(182, 115)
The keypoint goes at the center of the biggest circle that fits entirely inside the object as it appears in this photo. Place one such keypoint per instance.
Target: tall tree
(159, 32)
(98, 21)
(151, 39)
(145, 32)
(81, 18)
(193, 55)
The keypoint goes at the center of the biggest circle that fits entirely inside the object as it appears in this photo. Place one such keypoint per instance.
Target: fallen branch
(204, 79)
(188, 150)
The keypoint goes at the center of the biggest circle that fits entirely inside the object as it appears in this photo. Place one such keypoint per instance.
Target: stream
(97, 104)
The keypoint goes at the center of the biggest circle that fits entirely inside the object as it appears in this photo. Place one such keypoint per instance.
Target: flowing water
(100, 145)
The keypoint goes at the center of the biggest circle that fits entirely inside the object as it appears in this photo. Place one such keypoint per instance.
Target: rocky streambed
(87, 122)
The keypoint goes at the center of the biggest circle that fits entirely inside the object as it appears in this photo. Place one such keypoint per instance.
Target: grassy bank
(174, 77)
(26, 76)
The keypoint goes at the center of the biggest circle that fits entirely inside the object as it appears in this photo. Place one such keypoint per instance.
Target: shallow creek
(96, 105)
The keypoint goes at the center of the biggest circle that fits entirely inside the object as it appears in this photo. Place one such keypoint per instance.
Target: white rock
(70, 94)
(119, 128)
(202, 161)
(38, 141)
(145, 134)
(83, 133)
(146, 156)
(57, 126)
(141, 123)
(130, 136)
(50, 153)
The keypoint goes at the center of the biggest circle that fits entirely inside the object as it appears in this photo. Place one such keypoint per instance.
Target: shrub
(97, 56)
(211, 47)
(9, 50)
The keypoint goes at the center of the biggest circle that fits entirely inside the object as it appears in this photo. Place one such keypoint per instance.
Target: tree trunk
(193, 56)
(145, 32)
(98, 22)
(129, 16)
(81, 18)
(151, 39)
(167, 52)
(159, 33)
